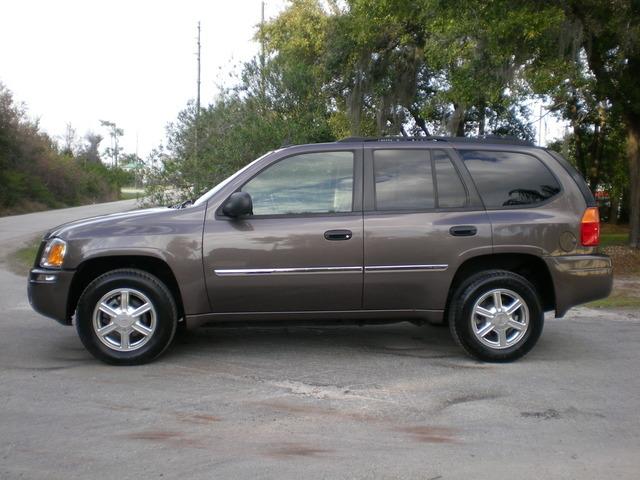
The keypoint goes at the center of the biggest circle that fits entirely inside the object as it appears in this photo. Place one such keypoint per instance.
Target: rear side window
(451, 191)
(416, 180)
(509, 179)
(403, 180)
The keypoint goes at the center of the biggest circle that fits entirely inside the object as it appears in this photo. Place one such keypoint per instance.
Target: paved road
(328, 402)
(20, 228)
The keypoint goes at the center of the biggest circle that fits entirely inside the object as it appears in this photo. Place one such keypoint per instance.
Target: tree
(69, 140)
(609, 34)
(114, 134)
(391, 67)
(90, 151)
(35, 174)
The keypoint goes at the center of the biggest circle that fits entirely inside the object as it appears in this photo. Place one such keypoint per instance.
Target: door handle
(338, 234)
(463, 231)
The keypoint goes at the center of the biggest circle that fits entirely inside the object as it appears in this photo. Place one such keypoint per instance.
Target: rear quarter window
(509, 179)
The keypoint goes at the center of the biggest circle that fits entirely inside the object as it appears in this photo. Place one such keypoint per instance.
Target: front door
(301, 250)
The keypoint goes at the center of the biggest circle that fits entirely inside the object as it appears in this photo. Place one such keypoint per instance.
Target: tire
(480, 321)
(117, 336)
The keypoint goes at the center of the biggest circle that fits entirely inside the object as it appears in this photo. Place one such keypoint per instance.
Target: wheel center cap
(123, 320)
(501, 320)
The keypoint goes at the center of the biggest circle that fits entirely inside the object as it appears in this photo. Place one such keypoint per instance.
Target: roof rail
(482, 139)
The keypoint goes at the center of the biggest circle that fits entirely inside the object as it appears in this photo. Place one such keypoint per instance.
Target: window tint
(403, 180)
(308, 183)
(451, 192)
(507, 178)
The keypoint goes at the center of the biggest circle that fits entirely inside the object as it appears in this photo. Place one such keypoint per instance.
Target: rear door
(422, 219)
(301, 250)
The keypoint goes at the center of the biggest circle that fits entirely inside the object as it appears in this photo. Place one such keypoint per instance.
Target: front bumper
(48, 292)
(579, 279)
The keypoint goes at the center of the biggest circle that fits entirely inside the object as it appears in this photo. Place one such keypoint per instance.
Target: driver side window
(309, 183)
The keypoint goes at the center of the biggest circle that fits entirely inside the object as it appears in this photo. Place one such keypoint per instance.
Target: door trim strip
(405, 268)
(236, 272)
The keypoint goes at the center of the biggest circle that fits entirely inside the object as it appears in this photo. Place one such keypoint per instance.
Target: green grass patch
(130, 195)
(611, 235)
(22, 259)
(616, 301)
(610, 239)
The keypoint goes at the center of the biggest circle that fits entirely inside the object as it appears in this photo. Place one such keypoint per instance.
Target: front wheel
(496, 316)
(126, 317)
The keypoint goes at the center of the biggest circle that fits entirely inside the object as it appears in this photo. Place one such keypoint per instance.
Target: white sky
(131, 62)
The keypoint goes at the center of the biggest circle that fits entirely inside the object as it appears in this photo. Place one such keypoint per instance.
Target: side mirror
(237, 205)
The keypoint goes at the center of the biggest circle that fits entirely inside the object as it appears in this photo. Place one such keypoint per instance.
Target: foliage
(35, 174)
(604, 37)
(330, 69)
(114, 150)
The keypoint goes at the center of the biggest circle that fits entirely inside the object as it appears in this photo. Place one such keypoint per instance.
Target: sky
(129, 62)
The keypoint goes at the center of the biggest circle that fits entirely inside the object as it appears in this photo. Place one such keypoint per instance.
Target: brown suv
(486, 235)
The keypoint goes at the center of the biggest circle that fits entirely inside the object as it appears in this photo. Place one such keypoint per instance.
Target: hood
(133, 217)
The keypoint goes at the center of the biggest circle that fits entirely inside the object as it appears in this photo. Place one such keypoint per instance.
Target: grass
(617, 300)
(612, 239)
(612, 235)
(22, 259)
(130, 195)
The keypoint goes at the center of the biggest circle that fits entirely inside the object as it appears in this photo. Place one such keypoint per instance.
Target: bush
(35, 175)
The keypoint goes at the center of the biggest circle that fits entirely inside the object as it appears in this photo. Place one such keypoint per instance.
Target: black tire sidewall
(472, 291)
(158, 294)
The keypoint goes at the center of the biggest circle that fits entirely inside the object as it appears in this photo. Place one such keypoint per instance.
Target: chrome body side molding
(236, 272)
(405, 268)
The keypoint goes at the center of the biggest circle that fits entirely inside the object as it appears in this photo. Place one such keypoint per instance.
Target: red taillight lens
(590, 228)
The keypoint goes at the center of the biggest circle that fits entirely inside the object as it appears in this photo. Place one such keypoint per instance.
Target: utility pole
(197, 124)
(198, 97)
(540, 126)
(262, 82)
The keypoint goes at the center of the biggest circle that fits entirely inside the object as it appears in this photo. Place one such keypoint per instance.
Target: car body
(357, 230)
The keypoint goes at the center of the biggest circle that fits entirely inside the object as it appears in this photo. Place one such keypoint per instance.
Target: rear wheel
(126, 317)
(496, 316)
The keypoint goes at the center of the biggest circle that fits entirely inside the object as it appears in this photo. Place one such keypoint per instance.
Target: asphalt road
(393, 401)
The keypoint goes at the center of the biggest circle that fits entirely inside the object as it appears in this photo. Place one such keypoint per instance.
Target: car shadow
(399, 339)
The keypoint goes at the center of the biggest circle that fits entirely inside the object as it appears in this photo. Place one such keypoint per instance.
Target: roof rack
(482, 139)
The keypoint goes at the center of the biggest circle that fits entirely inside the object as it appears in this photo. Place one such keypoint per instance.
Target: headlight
(53, 254)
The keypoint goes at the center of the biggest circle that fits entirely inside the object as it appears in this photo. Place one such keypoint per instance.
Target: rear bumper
(48, 292)
(579, 279)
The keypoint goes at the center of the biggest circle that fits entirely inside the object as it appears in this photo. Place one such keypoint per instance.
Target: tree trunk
(456, 121)
(420, 122)
(633, 154)
(624, 207)
(482, 116)
(581, 161)
(614, 201)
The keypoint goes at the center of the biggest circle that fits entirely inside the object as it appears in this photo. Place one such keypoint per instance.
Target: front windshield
(206, 196)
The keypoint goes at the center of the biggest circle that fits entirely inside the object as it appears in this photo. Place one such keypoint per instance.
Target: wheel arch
(92, 268)
(531, 267)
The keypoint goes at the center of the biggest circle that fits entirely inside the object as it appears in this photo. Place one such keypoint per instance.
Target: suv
(483, 234)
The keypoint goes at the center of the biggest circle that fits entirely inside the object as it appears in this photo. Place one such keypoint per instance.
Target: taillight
(590, 228)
